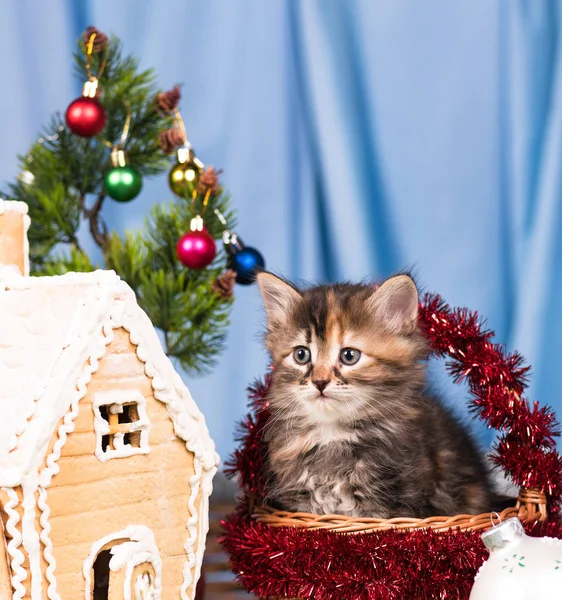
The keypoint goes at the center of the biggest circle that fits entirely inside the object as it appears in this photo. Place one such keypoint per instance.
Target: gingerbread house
(106, 463)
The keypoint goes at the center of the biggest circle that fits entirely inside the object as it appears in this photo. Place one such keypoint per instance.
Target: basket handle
(531, 505)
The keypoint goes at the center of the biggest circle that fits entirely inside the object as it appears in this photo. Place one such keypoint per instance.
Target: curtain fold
(358, 139)
(534, 66)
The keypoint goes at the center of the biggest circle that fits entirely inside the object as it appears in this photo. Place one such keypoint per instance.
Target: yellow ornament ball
(184, 177)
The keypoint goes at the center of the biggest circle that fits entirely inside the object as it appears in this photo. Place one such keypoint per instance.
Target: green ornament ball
(123, 183)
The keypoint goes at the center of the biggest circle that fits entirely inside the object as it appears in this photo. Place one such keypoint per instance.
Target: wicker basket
(437, 322)
(530, 506)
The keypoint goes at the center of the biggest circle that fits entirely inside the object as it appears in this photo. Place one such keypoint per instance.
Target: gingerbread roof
(53, 331)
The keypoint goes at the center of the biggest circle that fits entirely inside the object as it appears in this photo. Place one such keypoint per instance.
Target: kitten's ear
(278, 296)
(395, 304)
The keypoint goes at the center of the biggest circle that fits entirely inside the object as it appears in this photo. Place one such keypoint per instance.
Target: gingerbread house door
(123, 581)
(124, 569)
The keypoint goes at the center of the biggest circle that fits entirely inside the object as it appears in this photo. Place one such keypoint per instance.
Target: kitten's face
(338, 351)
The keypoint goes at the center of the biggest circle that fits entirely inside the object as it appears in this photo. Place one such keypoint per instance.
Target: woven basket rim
(530, 506)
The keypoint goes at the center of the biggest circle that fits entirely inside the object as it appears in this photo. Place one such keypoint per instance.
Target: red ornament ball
(196, 249)
(85, 117)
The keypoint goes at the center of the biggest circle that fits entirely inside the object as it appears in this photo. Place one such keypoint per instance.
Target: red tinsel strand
(395, 565)
(247, 462)
(530, 466)
(496, 381)
(541, 425)
(390, 565)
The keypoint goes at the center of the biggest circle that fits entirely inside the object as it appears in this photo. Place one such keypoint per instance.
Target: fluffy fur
(361, 439)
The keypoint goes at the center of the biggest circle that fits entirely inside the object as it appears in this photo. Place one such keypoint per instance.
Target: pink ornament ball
(196, 249)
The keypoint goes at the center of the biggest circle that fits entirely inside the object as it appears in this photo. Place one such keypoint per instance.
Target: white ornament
(519, 567)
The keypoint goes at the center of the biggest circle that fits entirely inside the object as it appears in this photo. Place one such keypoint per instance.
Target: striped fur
(363, 439)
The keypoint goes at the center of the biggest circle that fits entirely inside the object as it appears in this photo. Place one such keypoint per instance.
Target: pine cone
(224, 284)
(209, 180)
(170, 139)
(100, 41)
(169, 100)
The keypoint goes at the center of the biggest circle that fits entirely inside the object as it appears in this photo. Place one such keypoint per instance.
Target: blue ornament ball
(245, 262)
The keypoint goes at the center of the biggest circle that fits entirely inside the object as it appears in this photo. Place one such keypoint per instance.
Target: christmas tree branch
(98, 228)
(63, 173)
(72, 239)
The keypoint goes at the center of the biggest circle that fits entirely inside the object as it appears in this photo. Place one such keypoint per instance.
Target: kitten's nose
(321, 384)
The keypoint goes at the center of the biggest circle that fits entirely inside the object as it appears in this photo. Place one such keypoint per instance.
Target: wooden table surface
(228, 596)
(219, 580)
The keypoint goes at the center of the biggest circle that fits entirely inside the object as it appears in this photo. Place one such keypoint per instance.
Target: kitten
(352, 430)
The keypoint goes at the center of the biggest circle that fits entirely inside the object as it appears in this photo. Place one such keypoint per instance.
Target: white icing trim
(188, 422)
(140, 548)
(97, 278)
(62, 389)
(144, 587)
(189, 425)
(13, 206)
(190, 579)
(26, 224)
(21, 208)
(67, 426)
(32, 543)
(207, 485)
(52, 593)
(136, 553)
(115, 297)
(114, 400)
(7, 271)
(168, 387)
(19, 574)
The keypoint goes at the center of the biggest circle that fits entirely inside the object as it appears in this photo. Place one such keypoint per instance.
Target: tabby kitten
(352, 430)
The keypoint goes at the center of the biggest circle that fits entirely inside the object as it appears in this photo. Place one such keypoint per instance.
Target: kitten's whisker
(378, 457)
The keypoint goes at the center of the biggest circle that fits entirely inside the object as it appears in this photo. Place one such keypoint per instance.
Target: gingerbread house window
(122, 420)
(121, 425)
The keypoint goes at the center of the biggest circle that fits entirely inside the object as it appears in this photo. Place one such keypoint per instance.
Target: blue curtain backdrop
(358, 138)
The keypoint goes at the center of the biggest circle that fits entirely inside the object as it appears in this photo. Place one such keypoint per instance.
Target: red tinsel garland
(385, 565)
(388, 565)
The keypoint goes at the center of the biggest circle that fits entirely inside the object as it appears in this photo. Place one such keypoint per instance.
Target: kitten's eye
(350, 356)
(301, 354)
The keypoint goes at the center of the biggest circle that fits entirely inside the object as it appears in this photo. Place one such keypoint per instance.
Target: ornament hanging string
(220, 216)
(125, 132)
(123, 182)
(205, 201)
(181, 126)
(127, 125)
(86, 116)
(186, 143)
(204, 204)
(228, 237)
(89, 54)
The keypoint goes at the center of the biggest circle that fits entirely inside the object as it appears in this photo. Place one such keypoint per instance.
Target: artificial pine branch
(62, 182)
(98, 228)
